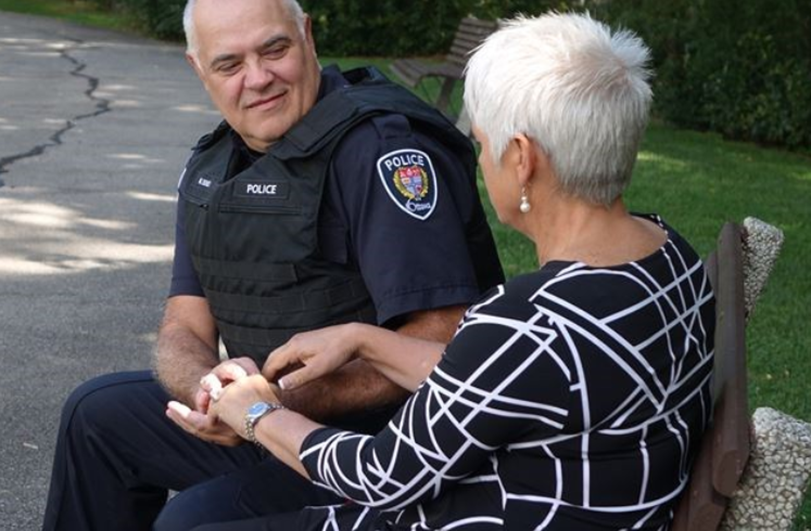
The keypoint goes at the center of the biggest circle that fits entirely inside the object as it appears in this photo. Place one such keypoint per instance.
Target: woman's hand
(311, 355)
(233, 401)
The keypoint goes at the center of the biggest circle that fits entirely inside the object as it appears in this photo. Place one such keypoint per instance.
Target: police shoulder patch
(410, 181)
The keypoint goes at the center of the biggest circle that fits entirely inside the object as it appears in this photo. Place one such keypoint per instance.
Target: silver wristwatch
(255, 413)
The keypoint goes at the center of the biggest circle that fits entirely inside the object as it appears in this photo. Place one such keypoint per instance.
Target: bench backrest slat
(731, 441)
(470, 33)
(725, 447)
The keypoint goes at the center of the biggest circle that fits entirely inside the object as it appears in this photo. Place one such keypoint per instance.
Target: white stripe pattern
(570, 398)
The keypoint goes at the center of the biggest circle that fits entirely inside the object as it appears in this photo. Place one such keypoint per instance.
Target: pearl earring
(524, 207)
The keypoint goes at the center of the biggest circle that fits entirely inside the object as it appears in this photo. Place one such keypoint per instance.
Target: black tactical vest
(253, 236)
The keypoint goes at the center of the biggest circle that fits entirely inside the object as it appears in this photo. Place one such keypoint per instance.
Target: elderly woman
(572, 397)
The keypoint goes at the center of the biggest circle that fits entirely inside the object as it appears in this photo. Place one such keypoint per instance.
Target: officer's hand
(310, 355)
(206, 427)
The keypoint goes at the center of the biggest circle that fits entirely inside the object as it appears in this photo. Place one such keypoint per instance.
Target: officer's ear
(195, 64)
(308, 33)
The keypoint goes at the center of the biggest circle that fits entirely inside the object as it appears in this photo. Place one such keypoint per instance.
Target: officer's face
(258, 69)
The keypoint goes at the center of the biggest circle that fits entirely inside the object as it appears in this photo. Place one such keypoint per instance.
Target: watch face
(257, 409)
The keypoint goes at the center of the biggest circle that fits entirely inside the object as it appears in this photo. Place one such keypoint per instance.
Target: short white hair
(292, 6)
(578, 90)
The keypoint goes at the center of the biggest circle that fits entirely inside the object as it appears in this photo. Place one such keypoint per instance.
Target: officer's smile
(268, 102)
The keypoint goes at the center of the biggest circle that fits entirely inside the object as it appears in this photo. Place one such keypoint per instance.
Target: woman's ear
(526, 160)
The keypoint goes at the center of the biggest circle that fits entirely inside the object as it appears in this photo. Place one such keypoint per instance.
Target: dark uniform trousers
(117, 455)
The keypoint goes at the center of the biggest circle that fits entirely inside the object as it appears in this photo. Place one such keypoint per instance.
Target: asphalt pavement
(95, 128)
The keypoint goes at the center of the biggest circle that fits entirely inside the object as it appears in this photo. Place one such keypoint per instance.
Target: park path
(94, 130)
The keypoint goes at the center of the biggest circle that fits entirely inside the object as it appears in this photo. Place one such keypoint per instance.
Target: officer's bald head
(292, 7)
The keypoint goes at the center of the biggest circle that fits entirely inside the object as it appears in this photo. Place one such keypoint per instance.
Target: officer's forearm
(180, 360)
(186, 347)
(357, 386)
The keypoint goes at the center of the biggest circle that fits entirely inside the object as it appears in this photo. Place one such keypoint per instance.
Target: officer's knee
(215, 500)
(184, 512)
(96, 404)
(170, 519)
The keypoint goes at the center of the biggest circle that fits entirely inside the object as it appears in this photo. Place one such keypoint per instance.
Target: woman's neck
(572, 230)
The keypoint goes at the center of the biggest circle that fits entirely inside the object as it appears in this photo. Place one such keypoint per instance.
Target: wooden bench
(738, 270)
(470, 33)
(725, 447)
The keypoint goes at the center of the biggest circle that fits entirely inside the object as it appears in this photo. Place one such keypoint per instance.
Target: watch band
(255, 413)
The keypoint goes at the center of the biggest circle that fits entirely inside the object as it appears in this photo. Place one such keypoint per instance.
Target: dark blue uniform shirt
(407, 263)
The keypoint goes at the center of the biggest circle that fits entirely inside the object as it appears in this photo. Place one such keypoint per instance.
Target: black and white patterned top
(571, 398)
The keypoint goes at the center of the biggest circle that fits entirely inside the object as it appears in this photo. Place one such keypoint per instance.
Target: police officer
(323, 197)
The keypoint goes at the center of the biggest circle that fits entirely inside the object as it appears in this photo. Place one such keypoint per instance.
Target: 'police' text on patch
(263, 190)
(410, 181)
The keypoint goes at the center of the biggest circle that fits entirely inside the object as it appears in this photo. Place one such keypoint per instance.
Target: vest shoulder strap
(369, 94)
(211, 138)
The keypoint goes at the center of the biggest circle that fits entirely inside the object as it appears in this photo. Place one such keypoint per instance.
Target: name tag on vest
(263, 189)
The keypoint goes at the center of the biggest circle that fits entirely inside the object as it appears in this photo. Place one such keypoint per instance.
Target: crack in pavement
(102, 106)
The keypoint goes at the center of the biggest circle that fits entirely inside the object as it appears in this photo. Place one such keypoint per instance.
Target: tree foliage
(740, 68)
(394, 28)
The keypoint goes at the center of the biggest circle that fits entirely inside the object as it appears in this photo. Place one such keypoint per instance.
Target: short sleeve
(414, 219)
(184, 278)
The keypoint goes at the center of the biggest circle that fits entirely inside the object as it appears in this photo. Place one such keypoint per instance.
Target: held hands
(199, 421)
(310, 355)
(231, 387)
(230, 405)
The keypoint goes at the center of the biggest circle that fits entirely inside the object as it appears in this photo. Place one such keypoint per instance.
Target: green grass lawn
(696, 181)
